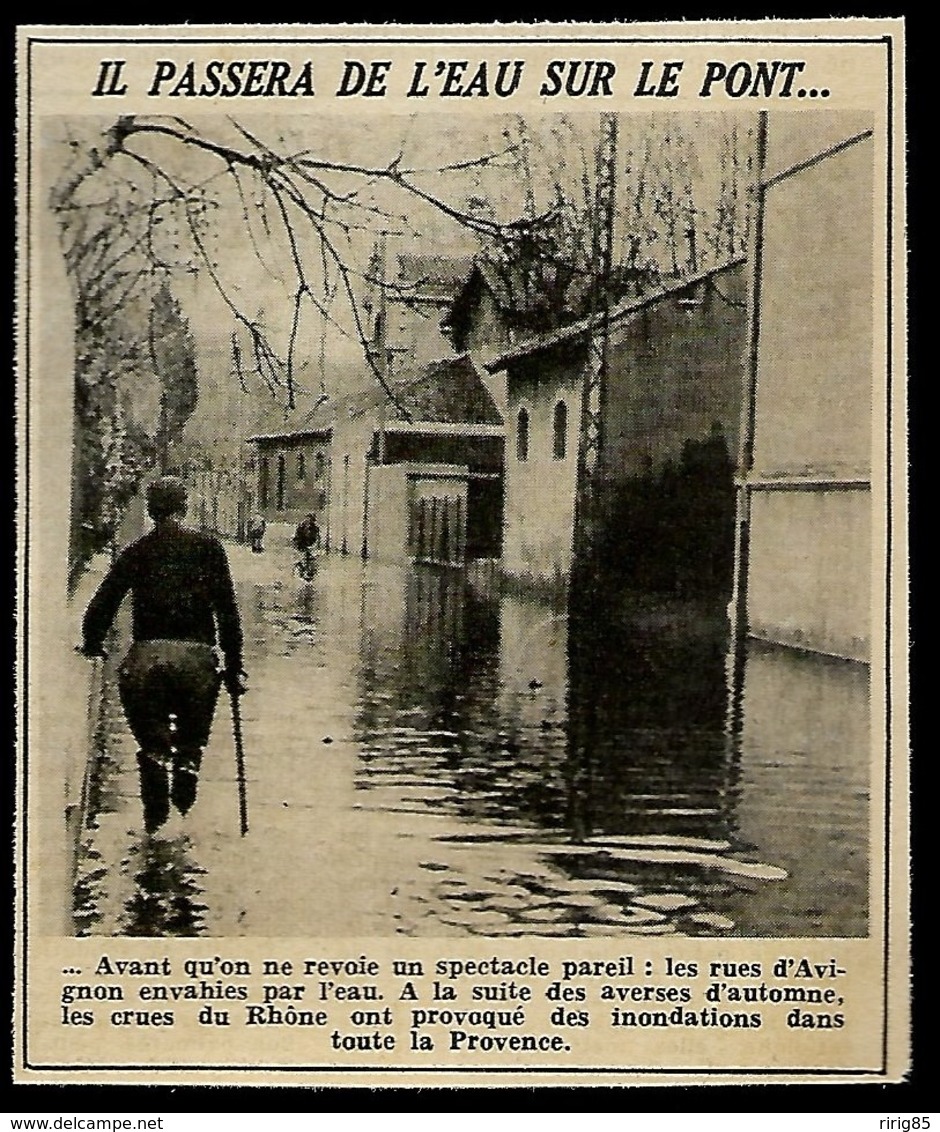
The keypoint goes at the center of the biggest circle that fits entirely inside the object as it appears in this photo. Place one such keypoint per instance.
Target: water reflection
(804, 789)
(588, 764)
(648, 701)
(440, 711)
(471, 761)
(165, 900)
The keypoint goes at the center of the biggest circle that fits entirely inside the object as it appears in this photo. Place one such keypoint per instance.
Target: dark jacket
(307, 534)
(181, 589)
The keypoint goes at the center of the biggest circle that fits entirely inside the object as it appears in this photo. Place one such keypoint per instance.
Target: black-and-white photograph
(470, 522)
(461, 555)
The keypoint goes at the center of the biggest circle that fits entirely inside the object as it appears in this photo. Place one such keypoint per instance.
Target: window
(263, 482)
(281, 483)
(522, 435)
(319, 465)
(301, 467)
(560, 431)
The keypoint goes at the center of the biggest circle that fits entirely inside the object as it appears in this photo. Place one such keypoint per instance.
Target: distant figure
(307, 540)
(256, 528)
(183, 603)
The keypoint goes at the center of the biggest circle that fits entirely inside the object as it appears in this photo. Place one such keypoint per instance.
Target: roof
(294, 434)
(583, 326)
(515, 299)
(434, 277)
(447, 392)
(481, 274)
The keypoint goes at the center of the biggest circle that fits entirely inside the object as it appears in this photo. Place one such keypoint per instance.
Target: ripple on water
(665, 901)
(712, 921)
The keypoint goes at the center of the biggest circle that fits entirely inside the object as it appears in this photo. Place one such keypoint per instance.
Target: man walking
(256, 529)
(183, 604)
(307, 540)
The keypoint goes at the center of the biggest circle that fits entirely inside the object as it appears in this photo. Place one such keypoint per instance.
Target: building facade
(671, 425)
(415, 476)
(293, 474)
(405, 308)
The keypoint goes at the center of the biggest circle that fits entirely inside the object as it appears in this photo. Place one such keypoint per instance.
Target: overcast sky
(245, 234)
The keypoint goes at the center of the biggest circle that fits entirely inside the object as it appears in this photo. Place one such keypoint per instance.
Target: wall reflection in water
(648, 704)
(597, 755)
(804, 791)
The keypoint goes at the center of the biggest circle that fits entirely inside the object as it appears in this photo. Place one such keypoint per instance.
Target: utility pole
(380, 359)
(742, 524)
(586, 611)
(383, 336)
(591, 454)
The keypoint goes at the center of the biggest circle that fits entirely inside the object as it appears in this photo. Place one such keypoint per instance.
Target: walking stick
(239, 761)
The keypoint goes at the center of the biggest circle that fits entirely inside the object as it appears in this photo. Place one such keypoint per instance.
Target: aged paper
(574, 745)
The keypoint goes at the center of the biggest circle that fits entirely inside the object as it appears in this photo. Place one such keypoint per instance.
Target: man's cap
(166, 496)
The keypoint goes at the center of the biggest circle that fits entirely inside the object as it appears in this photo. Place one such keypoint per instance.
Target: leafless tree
(151, 197)
(290, 199)
(681, 205)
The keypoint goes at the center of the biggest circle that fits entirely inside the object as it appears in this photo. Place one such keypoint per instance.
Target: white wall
(346, 491)
(59, 681)
(815, 363)
(388, 513)
(809, 570)
(538, 513)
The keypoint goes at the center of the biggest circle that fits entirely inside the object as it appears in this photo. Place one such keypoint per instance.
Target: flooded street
(424, 758)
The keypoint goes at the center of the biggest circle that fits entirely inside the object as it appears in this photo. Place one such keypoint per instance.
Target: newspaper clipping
(462, 554)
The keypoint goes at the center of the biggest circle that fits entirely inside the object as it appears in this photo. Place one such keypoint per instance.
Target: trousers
(169, 690)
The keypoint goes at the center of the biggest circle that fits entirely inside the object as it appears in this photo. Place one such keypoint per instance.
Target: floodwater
(430, 757)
